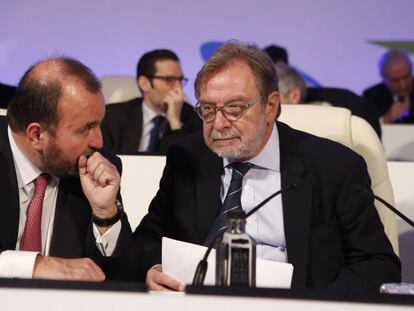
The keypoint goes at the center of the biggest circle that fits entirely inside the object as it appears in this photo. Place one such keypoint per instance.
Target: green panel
(407, 46)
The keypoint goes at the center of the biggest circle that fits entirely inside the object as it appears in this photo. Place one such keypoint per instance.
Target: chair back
(119, 88)
(141, 175)
(338, 124)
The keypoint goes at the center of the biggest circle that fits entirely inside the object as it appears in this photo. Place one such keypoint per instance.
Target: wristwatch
(106, 222)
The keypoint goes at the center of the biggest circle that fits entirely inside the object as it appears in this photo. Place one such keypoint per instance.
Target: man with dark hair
(331, 234)
(277, 54)
(151, 123)
(61, 215)
(393, 99)
(6, 94)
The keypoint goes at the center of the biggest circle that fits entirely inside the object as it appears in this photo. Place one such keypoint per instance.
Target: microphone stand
(369, 194)
(202, 266)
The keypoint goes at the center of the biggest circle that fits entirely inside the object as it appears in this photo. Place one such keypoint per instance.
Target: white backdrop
(327, 39)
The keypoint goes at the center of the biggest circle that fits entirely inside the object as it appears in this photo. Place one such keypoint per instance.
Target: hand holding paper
(180, 259)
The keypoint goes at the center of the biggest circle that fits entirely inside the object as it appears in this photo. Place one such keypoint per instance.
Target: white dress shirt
(20, 264)
(405, 101)
(266, 226)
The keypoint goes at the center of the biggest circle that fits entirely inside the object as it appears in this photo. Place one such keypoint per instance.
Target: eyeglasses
(171, 79)
(231, 111)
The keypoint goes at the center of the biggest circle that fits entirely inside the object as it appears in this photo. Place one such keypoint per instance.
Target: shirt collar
(148, 114)
(269, 157)
(27, 170)
(405, 99)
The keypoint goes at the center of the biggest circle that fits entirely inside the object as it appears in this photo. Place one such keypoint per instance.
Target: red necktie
(32, 234)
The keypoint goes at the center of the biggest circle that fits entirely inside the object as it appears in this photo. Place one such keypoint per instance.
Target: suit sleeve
(378, 99)
(157, 223)
(369, 257)
(123, 263)
(191, 124)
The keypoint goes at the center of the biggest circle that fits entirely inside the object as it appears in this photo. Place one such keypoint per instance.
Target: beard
(57, 163)
(247, 147)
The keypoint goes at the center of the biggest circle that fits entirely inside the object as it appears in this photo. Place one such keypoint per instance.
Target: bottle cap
(236, 214)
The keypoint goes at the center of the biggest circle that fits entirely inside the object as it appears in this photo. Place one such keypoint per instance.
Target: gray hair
(261, 65)
(391, 58)
(289, 78)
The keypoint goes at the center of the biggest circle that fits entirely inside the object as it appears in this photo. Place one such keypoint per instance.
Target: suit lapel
(297, 204)
(71, 220)
(72, 210)
(9, 201)
(207, 191)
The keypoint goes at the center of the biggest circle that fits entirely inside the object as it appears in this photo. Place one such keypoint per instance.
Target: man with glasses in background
(152, 122)
(331, 234)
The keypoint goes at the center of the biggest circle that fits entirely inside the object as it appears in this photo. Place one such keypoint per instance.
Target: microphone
(201, 270)
(365, 192)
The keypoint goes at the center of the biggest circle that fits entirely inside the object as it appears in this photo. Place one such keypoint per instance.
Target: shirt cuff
(106, 243)
(17, 264)
(158, 265)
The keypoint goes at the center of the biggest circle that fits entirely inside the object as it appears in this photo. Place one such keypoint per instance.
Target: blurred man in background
(155, 120)
(292, 86)
(277, 54)
(6, 94)
(393, 99)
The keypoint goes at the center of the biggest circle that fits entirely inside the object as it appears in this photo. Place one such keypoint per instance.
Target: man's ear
(36, 135)
(295, 96)
(272, 107)
(144, 83)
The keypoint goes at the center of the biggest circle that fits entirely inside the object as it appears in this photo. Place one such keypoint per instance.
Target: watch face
(119, 204)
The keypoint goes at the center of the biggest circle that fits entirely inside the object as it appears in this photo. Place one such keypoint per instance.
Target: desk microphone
(365, 192)
(201, 270)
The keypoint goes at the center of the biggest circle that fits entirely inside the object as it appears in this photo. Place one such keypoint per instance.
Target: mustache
(225, 134)
(89, 151)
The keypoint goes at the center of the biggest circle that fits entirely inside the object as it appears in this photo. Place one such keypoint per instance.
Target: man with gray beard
(331, 234)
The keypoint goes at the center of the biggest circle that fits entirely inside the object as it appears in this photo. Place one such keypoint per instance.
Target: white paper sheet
(180, 260)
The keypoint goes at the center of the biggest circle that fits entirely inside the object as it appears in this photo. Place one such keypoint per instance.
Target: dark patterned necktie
(232, 201)
(32, 235)
(155, 134)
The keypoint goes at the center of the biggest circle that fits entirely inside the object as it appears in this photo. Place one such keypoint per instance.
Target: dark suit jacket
(339, 97)
(72, 231)
(6, 94)
(379, 98)
(334, 236)
(122, 127)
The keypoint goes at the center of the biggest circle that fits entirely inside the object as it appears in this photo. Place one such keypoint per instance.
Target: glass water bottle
(236, 254)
